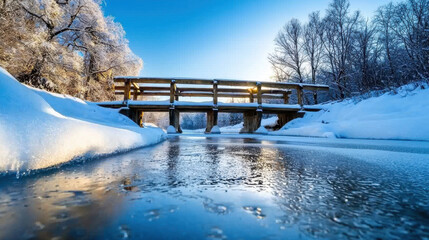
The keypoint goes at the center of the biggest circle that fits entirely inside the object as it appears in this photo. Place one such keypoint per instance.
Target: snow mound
(40, 129)
(261, 130)
(215, 129)
(400, 116)
(171, 129)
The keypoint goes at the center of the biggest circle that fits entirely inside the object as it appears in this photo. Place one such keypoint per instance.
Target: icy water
(196, 187)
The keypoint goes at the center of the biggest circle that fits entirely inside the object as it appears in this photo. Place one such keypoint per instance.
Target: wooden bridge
(133, 88)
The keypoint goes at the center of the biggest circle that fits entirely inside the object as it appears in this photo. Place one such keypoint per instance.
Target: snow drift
(404, 115)
(40, 129)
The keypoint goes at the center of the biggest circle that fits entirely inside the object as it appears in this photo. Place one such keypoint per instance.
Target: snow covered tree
(411, 23)
(353, 55)
(65, 46)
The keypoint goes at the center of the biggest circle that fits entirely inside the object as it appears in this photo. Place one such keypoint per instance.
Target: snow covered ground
(400, 116)
(403, 115)
(40, 129)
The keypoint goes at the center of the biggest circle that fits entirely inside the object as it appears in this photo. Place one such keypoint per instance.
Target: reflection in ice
(214, 188)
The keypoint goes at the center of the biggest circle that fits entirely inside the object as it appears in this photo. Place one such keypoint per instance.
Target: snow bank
(215, 129)
(40, 129)
(404, 116)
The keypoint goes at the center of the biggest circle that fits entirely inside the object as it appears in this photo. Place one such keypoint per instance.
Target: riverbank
(39, 129)
(401, 114)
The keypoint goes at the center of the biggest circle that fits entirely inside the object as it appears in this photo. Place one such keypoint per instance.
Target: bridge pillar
(212, 118)
(252, 121)
(284, 118)
(135, 115)
(174, 116)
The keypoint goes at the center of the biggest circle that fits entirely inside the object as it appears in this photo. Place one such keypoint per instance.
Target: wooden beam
(127, 90)
(285, 98)
(299, 92)
(259, 93)
(215, 93)
(136, 90)
(172, 90)
(199, 94)
(224, 82)
(251, 98)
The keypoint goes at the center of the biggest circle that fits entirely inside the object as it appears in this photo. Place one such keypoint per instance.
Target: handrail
(255, 89)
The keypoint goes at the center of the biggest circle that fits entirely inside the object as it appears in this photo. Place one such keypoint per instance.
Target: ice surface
(40, 129)
(403, 115)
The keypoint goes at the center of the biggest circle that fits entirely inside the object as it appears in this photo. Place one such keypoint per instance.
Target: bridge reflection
(199, 187)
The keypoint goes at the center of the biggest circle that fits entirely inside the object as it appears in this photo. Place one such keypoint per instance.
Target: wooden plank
(127, 90)
(215, 94)
(136, 86)
(143, 80)
(285, 98)
(135, 94)
(136, 90)
(259, 93)
(194, 81)
(251, 98)
(316, 88)
(172, 90)
(201, 94)
(209, 124)
(223, 82)
(299, 92)
(195, 89)
(166, 88)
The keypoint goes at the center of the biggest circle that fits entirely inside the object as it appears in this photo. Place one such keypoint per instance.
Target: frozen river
(229, 187)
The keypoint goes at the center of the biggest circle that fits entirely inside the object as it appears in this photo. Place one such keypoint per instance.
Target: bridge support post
(177, 121)
(212, 118)
(135, 115)
(251, 121)
(174, 116)
(209, 125)
(284, 118)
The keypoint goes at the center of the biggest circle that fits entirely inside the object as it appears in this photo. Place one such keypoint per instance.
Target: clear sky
(211, 38)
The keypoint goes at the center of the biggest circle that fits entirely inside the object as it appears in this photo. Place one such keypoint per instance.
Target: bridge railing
(133, 87)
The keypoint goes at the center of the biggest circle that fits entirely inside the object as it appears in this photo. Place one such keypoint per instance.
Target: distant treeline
(353, 54)
(66, 46)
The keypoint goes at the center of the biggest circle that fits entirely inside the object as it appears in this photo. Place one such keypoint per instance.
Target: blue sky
(211, 38)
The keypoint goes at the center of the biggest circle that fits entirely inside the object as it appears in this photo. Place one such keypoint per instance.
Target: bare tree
(384, 24)
(355, 55)
(365, 57)
(313, 46)
(339, 32)
(411, 27)
(288, 56)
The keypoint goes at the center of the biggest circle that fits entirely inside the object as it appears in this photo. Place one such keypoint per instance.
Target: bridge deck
(183, 106)
(253, 92)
